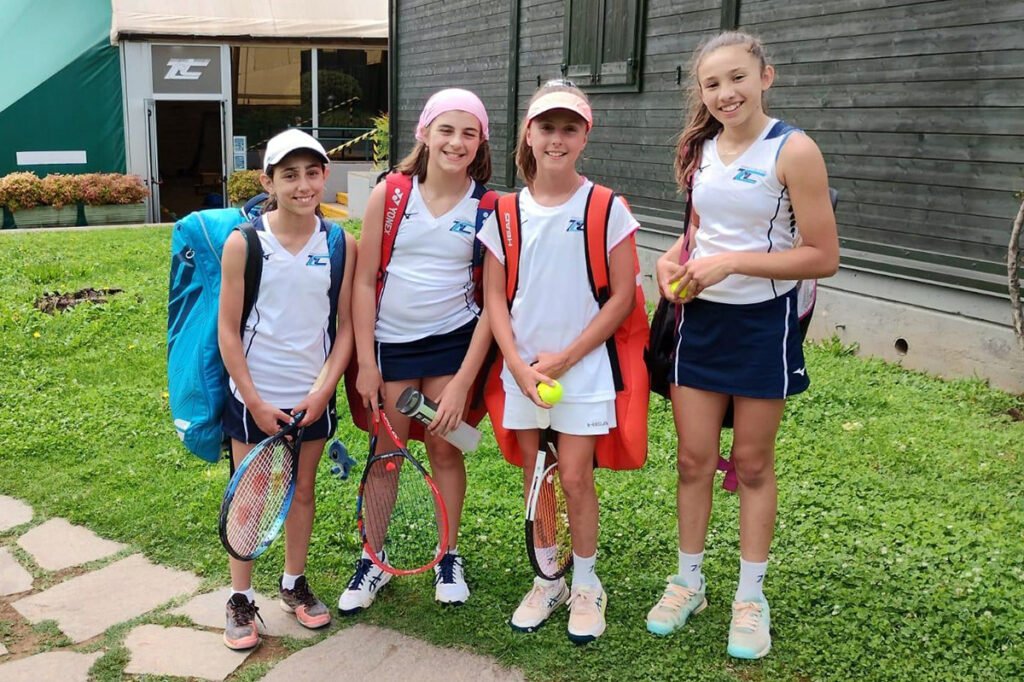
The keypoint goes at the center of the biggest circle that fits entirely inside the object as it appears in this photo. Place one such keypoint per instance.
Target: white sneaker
(362, 589)
(586, 614)
(538, 604)
(449, 580)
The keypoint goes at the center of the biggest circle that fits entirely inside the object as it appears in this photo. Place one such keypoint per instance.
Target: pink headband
(561, 99)
(452, 99)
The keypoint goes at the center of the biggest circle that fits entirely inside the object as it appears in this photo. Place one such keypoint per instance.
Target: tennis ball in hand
(680, 290)
(550, 394)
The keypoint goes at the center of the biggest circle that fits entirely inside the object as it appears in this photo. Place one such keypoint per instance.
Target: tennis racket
(260, 492)
(548, 542)
(402, 520)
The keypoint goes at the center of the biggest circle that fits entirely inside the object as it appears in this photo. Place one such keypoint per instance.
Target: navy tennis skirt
(433, 356)
(752, 350)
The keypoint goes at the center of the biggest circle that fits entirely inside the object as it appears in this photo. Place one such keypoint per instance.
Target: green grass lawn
(901, 501)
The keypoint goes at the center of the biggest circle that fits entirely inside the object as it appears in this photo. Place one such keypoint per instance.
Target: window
(603, 44)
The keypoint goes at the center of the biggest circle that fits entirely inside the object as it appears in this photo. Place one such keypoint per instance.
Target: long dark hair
(700, 124)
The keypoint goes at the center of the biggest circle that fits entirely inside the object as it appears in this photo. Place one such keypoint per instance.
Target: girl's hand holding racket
(370, 385)
(312, 406)
(269, 418)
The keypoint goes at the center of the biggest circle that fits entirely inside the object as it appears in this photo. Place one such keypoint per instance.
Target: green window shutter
(582, 25)
(603, 44)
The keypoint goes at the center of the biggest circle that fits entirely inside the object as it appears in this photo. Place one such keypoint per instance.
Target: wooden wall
(918, 106)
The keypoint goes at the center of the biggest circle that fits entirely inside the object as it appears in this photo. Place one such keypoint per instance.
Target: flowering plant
(59, 190)
(20, 190)
(99, 189)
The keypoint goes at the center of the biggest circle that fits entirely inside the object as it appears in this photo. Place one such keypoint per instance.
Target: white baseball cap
(283, 144)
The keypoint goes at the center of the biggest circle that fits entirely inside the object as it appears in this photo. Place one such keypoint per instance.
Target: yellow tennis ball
(680, 290)
(550, 394)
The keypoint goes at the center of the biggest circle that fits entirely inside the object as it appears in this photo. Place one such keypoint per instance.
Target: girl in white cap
(286, 340)
(555, 329)
(417, 319)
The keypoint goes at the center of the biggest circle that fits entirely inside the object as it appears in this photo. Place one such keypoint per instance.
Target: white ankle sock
(751, 580)
(288, 581)
(583, 571)
(250, 594)
(690, 567)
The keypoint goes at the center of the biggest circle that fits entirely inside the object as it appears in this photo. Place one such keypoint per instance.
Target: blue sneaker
(749, 635)
(676, 605)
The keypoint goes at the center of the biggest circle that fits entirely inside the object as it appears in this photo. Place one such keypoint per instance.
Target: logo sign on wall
(186, 70)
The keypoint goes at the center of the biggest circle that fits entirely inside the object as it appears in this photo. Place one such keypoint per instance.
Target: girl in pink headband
(416, 310)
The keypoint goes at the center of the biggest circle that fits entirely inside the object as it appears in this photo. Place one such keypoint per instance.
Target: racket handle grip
(415, 405)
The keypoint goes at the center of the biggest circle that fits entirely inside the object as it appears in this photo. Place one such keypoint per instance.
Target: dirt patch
(53, 302)
(1016, 414)
(19, 637)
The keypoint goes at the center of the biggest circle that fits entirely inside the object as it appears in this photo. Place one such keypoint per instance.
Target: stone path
(104, 585)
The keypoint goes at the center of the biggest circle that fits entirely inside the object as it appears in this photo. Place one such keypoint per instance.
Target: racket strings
(551, 538)
(401, 513)
(259, 497)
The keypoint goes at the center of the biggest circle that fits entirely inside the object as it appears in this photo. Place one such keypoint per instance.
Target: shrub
(244, 185)
(99, 189)
(20, 190)
(60, 190)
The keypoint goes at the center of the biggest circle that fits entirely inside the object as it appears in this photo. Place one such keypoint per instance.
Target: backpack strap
(487, 199)
(337, 248)
(253, 270)
(508, 222)
(399, 187)
(595, 231)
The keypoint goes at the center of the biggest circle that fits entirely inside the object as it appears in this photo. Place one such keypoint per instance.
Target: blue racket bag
(196, 378)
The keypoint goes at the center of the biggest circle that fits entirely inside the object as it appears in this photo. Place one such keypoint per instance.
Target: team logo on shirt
(317, 260)
(462, 227)
(749, 175)
(575, 225)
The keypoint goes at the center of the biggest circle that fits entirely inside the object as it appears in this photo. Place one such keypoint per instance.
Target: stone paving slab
(89, 604)
(208, 610)
(180, 652)
(13, 576)
(57, 544)
(66, 666)
(368, 652)
(13, 513)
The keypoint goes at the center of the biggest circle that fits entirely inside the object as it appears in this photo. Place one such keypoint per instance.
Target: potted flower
(61, 196)
(113, 198)
(19, 194)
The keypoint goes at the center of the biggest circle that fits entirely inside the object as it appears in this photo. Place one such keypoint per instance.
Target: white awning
(334, 19)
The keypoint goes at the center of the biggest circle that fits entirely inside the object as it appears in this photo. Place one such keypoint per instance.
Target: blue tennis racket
(260, 493)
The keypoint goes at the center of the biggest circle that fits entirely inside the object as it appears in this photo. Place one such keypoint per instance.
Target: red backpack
(399, 187)
(625, 446)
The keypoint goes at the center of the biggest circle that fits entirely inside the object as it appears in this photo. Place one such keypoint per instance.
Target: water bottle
(417, 406)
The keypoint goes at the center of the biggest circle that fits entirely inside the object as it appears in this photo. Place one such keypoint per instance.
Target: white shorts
(575, 419)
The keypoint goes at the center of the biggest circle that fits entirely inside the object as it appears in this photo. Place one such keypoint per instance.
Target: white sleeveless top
(554, 304)
(743, 207)
(429, 287)
(285, 340)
